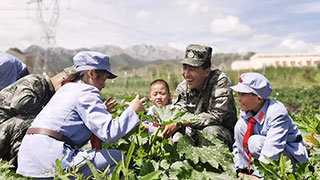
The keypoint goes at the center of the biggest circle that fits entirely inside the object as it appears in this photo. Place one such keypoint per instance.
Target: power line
(48, 16)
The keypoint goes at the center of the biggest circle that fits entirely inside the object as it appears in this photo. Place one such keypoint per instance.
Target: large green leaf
(210, 150)
(146, 167)
(167, 115)
(150, 176)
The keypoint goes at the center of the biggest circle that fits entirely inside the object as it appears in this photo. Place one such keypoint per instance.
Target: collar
(261, 114)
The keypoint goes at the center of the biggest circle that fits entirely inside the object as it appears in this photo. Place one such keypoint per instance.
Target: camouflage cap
(196, 55)
(70, 70)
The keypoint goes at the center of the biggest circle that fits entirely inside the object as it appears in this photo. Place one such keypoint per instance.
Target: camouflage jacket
(19, 104)
(25, 97)
(214, 103)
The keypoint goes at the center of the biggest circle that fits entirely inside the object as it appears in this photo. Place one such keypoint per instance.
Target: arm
(276, 138)
(98, 120)
(29, 95)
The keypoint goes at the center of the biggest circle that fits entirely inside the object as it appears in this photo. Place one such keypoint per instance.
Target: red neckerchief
(246, 136)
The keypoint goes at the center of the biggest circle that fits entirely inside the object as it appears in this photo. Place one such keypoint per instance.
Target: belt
(50, 133)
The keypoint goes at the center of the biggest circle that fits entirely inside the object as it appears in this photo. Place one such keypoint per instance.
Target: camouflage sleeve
(179, 97)
(220, 104)
(25, 98)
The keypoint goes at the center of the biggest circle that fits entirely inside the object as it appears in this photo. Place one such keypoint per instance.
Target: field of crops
(151, 157)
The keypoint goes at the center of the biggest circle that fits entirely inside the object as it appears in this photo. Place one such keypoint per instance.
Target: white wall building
(259, 61)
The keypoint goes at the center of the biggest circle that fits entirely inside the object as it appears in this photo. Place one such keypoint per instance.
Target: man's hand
(169, 129)
(111, 104)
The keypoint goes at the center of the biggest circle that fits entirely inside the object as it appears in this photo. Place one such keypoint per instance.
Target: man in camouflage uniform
(19, 104)
(204, 92)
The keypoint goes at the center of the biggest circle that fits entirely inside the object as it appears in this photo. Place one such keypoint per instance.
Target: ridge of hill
(54, 60)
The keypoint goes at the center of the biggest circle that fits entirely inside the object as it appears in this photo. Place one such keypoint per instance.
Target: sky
(230, 26)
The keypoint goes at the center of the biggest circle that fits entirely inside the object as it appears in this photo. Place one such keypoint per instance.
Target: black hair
(157, 81)
(206, 65)
(80, 75)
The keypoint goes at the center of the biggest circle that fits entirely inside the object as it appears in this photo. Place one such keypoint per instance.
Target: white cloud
(229, 26)
(193, 8)
(296, 45)
(143, 14)
(196, 8)
(173, 22)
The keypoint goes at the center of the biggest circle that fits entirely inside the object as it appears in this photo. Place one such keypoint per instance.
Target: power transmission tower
(48, 15)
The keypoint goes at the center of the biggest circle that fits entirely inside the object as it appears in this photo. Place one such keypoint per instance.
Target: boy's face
(159, 94)
(250, 102)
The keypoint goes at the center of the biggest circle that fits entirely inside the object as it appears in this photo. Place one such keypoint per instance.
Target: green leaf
(164, 164)
(167, 115)
(58, 163)
(209, 150)
(150, 176)
(172, 150)
(146, 167)
(129, 154)
(176, 165)
(93, 169)
(282, 167)
(270, 169)
(116, 172)
(64, 177)
(291, 177)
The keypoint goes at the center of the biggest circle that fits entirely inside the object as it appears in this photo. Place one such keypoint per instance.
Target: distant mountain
(54, 60)
(152, 53)
(35, 64)
(143, 52)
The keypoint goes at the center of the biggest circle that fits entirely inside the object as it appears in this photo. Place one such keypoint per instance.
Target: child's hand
(146, 127)
(149, 127)
(251, 177)
(111, 104)
(137, 104)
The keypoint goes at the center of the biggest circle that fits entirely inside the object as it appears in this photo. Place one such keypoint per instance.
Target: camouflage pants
(12, 132)
(219, 131)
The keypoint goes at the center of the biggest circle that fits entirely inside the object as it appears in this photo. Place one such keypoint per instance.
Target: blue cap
(86, 60)
(253, 83)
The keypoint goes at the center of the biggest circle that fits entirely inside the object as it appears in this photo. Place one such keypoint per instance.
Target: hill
(159, 58)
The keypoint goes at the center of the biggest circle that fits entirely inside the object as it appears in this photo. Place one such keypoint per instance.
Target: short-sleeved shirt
(11, 69)
(214, 103)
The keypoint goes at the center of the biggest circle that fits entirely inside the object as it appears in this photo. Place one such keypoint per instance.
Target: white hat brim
(242, 88)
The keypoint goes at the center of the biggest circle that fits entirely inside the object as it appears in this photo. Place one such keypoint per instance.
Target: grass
(137, 82)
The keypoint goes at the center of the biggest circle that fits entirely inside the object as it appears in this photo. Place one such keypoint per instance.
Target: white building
(259, 61)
